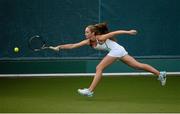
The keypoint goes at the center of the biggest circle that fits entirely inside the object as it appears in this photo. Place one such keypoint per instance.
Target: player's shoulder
(85, 41)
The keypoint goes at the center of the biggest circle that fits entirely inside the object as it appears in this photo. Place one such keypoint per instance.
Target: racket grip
(54, 48)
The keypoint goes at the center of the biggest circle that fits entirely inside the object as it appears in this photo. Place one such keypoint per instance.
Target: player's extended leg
(107, 60)
(129, 60)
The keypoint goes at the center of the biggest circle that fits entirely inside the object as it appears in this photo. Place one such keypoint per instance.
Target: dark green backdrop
(63, 21)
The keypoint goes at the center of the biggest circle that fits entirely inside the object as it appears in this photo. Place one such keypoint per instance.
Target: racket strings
(36, 43)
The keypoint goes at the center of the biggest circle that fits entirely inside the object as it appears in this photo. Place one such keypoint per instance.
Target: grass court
(125, 94)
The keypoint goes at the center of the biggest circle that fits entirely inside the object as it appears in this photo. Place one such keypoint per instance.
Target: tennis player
(98, 37)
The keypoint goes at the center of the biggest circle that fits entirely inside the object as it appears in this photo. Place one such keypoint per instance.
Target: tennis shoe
(85, 92)
(162, 78)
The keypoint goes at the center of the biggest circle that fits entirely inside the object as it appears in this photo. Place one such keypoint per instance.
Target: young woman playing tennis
(98, 37)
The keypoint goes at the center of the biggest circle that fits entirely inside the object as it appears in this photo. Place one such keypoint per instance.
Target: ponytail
(101, 28)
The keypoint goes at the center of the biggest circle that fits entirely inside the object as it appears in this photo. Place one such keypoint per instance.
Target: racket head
(36, 43)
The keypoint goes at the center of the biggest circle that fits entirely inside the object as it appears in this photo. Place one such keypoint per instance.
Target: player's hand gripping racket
(36, 43)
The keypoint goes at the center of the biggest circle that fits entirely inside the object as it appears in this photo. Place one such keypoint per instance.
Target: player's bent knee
(99, 69)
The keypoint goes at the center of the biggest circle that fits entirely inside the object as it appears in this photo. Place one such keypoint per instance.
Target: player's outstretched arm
(118, 32)
(70, 46)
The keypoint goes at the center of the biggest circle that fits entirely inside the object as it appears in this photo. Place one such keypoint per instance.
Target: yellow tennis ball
(16, 49)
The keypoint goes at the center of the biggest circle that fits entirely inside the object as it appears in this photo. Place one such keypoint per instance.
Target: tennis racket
(36, 43)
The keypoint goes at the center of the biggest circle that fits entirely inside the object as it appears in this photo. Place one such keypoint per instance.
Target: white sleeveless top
(112, 47)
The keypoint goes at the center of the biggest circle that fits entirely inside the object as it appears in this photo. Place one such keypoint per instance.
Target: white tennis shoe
(85, 92)
(162, 78)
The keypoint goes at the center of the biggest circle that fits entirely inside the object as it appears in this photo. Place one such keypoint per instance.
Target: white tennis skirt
(119, 52)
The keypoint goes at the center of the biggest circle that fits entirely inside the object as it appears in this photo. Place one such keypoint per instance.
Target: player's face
(90, 35)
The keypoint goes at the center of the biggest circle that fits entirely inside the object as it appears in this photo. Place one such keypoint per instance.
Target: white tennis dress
(115, 50)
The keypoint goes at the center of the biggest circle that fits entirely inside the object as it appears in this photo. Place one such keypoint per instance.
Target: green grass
(113, 94)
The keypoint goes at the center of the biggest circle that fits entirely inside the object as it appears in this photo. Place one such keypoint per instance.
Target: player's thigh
(129, 60)
(106, 61)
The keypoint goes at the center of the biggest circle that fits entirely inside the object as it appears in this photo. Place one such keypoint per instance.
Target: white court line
(84, 74)
(91, 113)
